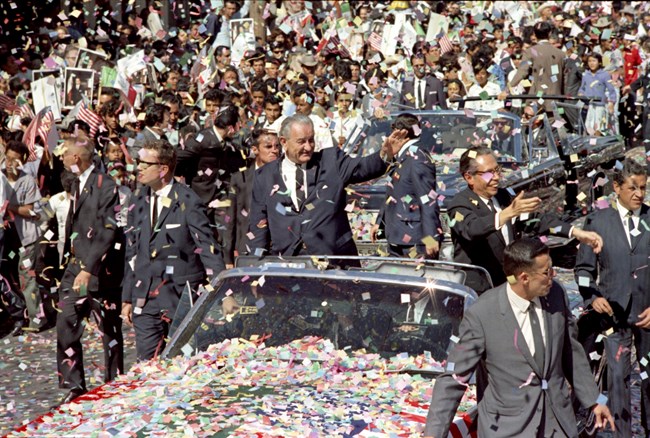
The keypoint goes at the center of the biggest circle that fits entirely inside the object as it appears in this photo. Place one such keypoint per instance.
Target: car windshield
(388, 318)
(450, 133)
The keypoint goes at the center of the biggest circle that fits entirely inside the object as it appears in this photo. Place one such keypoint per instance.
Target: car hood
(241, 388)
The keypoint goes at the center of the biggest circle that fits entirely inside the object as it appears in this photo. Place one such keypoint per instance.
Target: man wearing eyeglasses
(485, 218)
(168, 243)
(524, 333)
(614, 287)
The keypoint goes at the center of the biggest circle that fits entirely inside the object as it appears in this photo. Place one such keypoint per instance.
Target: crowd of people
(146, 148)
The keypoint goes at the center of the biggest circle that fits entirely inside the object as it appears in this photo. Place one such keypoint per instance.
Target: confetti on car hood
(237, 388)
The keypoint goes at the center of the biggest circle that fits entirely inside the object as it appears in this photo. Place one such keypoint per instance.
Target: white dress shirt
(288, 169)
(83, 178)
(519, 307)
(161, 194)
(623, 212)
(491, 104)
(419, 94)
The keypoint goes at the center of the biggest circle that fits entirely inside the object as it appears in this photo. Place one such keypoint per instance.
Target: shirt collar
(286, 162)
(214, 128)
(519, 303)
(164, 191)
(622, 211)
(407, 145)
(84, 176)
(158, 136)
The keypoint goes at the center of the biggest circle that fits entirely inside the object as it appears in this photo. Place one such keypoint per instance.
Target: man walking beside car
(485, 218)
(89, 284)
(168, 244)
(614, 285)
(410, 217)
(528, 392)
(423, 92)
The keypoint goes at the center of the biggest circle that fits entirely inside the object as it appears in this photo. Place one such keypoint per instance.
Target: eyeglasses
(146, 164)
(550, 272)
(499, 123)
(496, 171)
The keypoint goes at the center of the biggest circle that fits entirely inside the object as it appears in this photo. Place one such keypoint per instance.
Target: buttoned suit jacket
(241, 189)
(477, 241)
(411, 211)
(518, 391)
(321, 224)
(92, 230)
(618, 272)
(434, 93)
(180, 249)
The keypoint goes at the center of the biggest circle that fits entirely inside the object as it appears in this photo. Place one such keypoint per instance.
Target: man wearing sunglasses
(169, 244)
(485, 218)
(614, 285)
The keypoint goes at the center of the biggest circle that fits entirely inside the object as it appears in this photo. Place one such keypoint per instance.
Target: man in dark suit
(89, 283)
(527, 393)
(169, 244)
(298, 204)
(486, 218)
(423, 92)
(410, 217)
(266, 148)
(614, 285)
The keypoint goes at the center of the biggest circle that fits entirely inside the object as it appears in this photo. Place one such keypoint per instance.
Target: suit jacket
(512, 405)
(618, 273)
(544, 63)
(241, 189)
(409, 209)
(321, 225)
(92, 230)
(180, 249)
(207, 163)
(434, 94)
(478, 242)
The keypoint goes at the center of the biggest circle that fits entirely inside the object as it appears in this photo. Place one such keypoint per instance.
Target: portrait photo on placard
(78, 85)
(90, 59)
(242, 38)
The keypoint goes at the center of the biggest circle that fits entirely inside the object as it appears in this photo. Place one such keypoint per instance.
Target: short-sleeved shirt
(24, 192)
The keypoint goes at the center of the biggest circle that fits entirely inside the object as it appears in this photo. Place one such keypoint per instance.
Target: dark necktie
(490, 204)
(300, 186)
(421, 93)
(154, 213)
(634, 236)
(538, 340)
(75, 194)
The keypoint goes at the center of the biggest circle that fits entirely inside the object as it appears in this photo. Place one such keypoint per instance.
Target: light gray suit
(512, 406)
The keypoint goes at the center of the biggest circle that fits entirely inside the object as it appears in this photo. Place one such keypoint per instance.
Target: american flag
(91, 118)
(375, 41)
(445, 44)
(6, 102)
(26, 111)
(40, 126)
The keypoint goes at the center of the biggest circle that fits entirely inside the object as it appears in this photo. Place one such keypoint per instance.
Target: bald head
(77, 154)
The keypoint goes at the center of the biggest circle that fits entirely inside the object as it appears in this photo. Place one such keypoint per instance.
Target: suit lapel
(548, 345)
(512, 326)
(145, 223)
(312, 171)
(643, 218)
(478, 202)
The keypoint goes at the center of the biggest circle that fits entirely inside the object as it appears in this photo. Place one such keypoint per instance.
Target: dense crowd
(148, 146)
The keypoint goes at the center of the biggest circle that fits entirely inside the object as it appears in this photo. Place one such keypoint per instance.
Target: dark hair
(227, 117)
(170, 97)
(458, 82)
(214, 95)
(598, 57)
(629, 168)
(375, 72)
(67, 178)
(258, 134)
(259, 86)
(219, 50)
(342, 70)
(543, 30)
(520, 255)
(480, 64)
(110, 108)
(20, 148)
(406, 121)
(468, 159)
(155, 114)
(166, 153)
(272, 99)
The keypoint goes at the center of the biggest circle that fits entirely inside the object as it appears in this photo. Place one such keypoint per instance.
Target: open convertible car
(291, 348)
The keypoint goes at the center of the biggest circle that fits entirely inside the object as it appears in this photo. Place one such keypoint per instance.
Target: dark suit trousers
(405, 250)
(70, 328)
(151, 330)
(618, 346)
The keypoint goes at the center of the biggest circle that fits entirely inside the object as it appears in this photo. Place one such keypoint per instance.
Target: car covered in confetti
(564, 167)
(292, 347)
